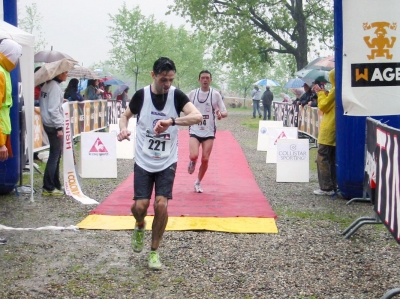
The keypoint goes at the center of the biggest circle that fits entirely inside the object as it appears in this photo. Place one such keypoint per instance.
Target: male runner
(210, 104)
(157, 107)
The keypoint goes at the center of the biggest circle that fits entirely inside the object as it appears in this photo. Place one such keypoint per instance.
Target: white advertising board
(263, 131)
(126, 148)
(274, 135)
(293, 156)
(98, 155)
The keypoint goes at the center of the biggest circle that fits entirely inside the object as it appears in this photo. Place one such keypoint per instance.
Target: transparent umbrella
(294, 83)
(311, 75)
(82, 72)
(266, 82)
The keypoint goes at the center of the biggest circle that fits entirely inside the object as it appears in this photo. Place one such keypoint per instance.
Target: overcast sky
(79, 28)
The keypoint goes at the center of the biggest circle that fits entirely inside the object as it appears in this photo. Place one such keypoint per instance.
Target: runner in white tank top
(157, 107)
(211, 106)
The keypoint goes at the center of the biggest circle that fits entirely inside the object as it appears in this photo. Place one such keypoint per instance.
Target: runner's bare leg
(206, 149)
(160, 220)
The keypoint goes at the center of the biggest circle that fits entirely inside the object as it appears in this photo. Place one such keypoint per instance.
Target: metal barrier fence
(85, 116)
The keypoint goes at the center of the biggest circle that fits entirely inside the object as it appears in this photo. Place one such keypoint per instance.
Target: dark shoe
(3, 241)
(259, 116)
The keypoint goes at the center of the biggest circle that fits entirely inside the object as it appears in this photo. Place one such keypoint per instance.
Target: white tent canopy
(27, 41)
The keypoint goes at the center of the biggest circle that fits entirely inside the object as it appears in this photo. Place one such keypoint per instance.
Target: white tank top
(155, 153)
(206, 127)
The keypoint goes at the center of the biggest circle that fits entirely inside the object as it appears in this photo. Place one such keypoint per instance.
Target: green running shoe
(55, 192)
(154, 261)
(137, 238)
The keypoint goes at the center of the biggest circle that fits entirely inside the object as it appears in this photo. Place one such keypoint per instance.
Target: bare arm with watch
(192, 116)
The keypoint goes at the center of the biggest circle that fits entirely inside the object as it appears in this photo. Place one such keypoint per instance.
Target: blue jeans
(51, 179)
(267, 109)
(256, 107)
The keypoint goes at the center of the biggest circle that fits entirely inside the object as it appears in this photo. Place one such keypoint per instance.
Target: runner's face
(205, 81)
(162, 82)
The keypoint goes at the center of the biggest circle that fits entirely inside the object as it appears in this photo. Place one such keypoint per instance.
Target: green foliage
(138, 41)
(249, 29)
(30, 22)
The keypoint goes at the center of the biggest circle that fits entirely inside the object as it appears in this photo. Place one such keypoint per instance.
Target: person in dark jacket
(267, 99)
(306, 96)
(71, 92)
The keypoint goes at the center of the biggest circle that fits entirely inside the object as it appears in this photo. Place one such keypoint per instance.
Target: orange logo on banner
(380, 44)
(98, 147)
(87, 116)
(95, 115)
(75, 119)
(37, 131)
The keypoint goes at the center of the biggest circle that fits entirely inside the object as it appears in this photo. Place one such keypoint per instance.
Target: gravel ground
(308, 258)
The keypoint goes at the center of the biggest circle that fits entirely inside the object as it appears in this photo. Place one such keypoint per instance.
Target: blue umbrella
(294, 83)
(113, 81)
(266, 82)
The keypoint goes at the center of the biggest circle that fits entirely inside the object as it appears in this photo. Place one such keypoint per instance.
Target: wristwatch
(173, 121)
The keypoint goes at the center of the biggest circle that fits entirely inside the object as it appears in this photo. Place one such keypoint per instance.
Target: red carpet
(230, 189)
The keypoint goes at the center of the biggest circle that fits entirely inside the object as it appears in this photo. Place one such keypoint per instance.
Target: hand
(124, 134)
(60, 134)
(316, 88)
(3, 153)
(218, 114)
(162, 125)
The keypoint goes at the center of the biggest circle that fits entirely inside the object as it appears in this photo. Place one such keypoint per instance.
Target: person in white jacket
(256, 96)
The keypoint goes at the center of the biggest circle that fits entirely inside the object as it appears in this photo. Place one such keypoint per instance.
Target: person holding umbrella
(267, 99)
(51, 100)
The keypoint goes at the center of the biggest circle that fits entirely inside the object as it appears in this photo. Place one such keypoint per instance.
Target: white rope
(50, 227)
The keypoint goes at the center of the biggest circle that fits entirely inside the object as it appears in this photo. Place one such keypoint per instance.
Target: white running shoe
(191, 167)
(197, 188)
(322, 192)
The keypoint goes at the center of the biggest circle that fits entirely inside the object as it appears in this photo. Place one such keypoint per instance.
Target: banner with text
(371, 60)
(306, 119)
(387, 203)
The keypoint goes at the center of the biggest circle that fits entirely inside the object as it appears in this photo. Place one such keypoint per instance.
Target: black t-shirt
(159, 100)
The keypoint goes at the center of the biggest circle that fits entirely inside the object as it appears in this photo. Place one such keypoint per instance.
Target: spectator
(37, 90)
(306, 96)
(326, 158)
(71, 92)
(256, 96)
(314, 101)
(51, 100)
(93, 92)
(107, 95)
(267, 99)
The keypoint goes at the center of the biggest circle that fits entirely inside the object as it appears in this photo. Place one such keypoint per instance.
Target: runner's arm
(123, 125)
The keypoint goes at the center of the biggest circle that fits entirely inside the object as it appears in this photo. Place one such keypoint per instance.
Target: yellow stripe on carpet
(226, 224)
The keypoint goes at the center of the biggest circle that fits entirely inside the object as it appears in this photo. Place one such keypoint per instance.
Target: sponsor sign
(292, 160)
(371, 58)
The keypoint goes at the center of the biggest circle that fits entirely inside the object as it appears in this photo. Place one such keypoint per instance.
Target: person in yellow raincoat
(326, 158)
(10, 51)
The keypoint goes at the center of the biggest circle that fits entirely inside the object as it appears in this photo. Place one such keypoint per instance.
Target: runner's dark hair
(205, 72)
(163, 64)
